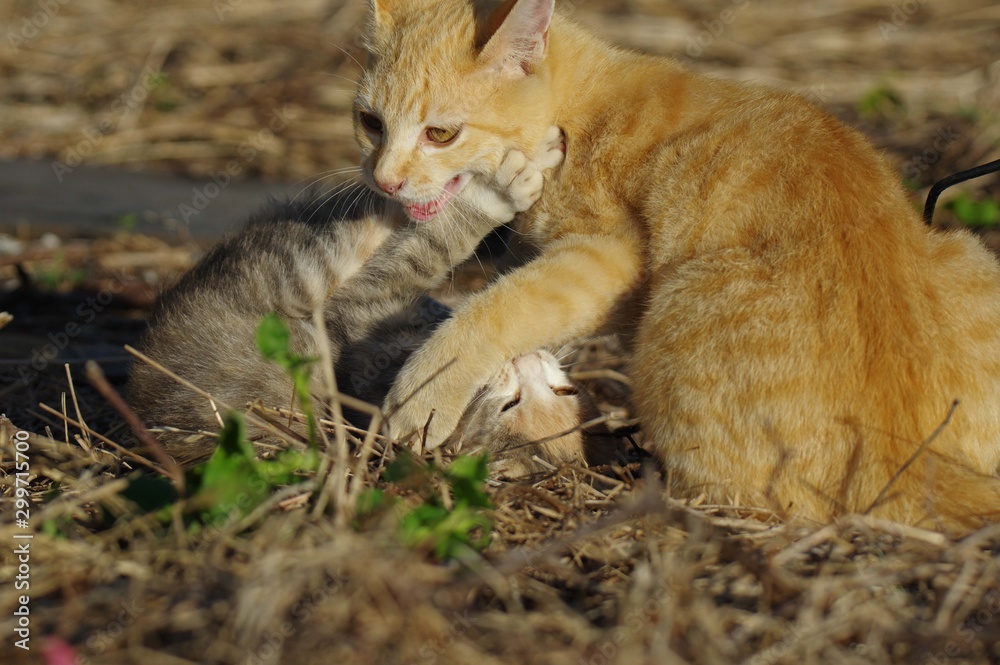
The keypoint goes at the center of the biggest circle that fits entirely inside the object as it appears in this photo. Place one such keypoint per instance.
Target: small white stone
(10, 245)
(49, 241)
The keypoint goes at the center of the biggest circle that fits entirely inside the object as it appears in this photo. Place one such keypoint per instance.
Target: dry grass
(577, 572)
(581, 569)
(182, 84)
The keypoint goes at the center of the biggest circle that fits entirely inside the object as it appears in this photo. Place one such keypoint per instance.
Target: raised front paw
(553, 150)
(522, 178)
(517, 183)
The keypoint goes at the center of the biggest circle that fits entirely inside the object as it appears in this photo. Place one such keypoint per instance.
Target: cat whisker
(462, 217)
(347, 53)
(349, 80)
(565, 351)
(476, 399)
(355, 193)
(446, 215)
(316, 177)
(309, 182)
(342, 189)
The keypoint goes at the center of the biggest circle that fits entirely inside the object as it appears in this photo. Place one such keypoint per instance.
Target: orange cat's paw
(553, 149)
(515, 187)
(517, 183)
(522, 179)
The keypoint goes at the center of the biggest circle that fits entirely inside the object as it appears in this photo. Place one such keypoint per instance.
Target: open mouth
(431, 209)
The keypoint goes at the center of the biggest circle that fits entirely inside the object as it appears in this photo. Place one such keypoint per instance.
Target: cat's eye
(442, 135)
(565, 391)
(511, 404)
(370, 122)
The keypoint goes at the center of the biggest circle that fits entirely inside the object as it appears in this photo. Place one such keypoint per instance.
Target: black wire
(954, 179)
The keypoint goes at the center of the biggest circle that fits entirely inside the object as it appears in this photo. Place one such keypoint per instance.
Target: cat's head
(449, 87)
(518, 414)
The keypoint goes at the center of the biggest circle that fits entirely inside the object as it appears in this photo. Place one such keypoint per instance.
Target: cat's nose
(390, 187)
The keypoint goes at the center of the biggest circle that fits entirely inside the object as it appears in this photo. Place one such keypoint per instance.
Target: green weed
(445, 530)
(234, 481)
(974, 213)
(273, 340)
(879, 103)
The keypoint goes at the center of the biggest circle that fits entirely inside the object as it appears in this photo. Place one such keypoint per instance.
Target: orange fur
(528, 418)
(798, 332)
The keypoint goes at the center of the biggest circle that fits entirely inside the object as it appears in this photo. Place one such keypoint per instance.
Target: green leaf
(287, 465)
(159, 79)
(127, 222)
(229, 480)
(879, 102)
(150, 493)
(417, 526)
(467, 476)
(402, 469)
(57, 528)
(989, 212)
(273, 339)
(371, 501)
(445, 531)
(975, 213)
(274, 342)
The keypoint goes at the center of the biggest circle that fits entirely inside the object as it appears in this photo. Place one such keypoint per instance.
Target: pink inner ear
(525, 46)
(523, 35)
(528, 22)
(540, 14)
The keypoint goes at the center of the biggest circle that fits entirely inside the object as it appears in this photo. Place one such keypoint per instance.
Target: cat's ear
(516, 36)
(380, 13)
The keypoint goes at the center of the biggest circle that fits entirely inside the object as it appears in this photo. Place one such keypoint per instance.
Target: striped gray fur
(344, 254)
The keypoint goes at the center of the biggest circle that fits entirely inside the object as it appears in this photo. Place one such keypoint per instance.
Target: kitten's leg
(419, 257)
(566, 293)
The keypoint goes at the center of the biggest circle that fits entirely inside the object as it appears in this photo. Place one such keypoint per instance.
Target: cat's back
(822, 321)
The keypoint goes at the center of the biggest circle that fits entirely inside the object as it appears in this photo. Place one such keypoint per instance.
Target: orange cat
(798, 333)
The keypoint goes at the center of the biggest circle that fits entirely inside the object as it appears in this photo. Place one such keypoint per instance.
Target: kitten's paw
(521, 178)
(553, 149)
(488, 199)
(517, 183)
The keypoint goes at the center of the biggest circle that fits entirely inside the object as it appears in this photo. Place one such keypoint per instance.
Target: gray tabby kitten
(346, 255)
